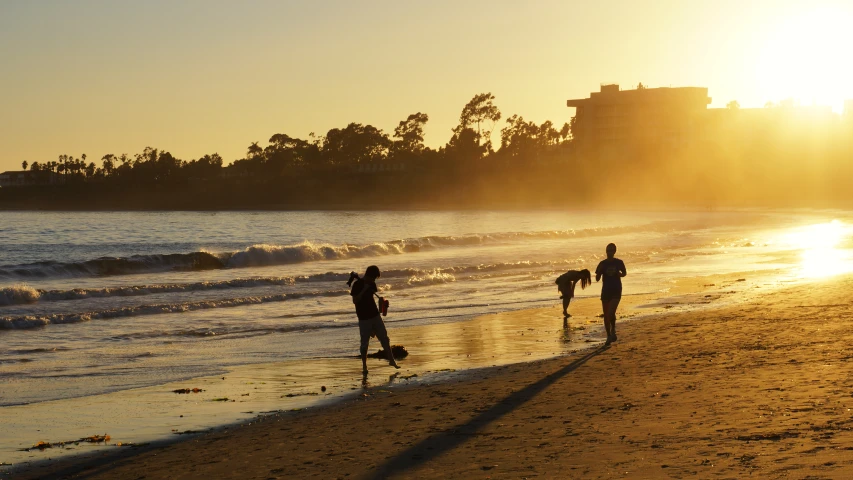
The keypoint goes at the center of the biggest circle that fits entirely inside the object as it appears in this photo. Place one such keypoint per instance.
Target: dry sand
(760, 389)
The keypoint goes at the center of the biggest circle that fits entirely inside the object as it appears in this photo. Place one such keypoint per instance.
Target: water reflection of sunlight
(822, 254)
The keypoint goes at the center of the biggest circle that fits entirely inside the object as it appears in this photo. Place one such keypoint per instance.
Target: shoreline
(494, 207)
(747, 389)
(642, 306)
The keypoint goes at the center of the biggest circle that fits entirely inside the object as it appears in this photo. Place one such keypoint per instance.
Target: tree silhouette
(286, 152)
(521, 139)
(565, 132)
(480, 110)
(463, 151)
(355, 144)
(206, 167)
(411, 133)
(254, 151)
(573, 126)
(108, 164)
(24, 165)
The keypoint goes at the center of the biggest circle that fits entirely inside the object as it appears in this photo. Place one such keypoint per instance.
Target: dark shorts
(373, 326)
(608, 295)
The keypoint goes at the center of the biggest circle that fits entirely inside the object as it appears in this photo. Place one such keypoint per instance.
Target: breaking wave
(264, 255)
(139, 290)
(115, 266)
(35, 321)
(430, 278)
(412, 276)
(18, 294)
(268, 255)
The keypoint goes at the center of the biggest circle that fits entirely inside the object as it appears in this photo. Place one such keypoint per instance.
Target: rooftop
(611, 93)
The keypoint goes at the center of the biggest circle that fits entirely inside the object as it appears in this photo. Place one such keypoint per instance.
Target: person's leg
(382, 335)
(365, 330)
(612, 305)
(606, 323)
(566, 300)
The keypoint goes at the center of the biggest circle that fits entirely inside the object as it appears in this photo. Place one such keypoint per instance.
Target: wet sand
(761, 388)
(241, 393)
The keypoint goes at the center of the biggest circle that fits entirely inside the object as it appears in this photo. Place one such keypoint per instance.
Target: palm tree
(108, 162)
(254, 151)
(63, 167)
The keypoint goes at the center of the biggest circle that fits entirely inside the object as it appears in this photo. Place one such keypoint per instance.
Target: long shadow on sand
(413, 456)
(434, 446)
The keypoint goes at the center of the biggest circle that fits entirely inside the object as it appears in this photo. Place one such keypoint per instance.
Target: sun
(805, 57)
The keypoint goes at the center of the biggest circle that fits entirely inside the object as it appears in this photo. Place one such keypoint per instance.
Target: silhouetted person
(612, 269)
(369, 320)
(566, 286)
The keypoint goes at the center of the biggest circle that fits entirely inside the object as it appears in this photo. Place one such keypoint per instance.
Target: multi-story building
(655, 117)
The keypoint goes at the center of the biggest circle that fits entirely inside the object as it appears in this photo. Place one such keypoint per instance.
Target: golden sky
(204, 76)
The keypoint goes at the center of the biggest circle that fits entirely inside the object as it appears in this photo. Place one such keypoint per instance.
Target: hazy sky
(204, 76)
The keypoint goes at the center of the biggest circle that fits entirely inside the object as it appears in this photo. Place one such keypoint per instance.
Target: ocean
(99, 302)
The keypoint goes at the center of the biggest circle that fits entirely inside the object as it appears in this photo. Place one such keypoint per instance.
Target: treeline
(150, 166)
(354, 148)
(776, 156)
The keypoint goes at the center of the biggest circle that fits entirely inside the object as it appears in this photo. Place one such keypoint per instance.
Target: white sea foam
(34, 321)
(261, 255)
(18, 294)
(269, 255)
(139, 290)
(429, 278)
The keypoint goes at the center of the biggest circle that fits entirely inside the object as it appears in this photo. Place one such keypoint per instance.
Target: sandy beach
(760, 389)
(373, 240)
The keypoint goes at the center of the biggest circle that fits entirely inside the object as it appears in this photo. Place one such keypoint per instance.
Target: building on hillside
(23, 178)
(656, 117)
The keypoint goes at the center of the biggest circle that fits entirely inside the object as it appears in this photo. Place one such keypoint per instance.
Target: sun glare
(821, 254)
(806, 58)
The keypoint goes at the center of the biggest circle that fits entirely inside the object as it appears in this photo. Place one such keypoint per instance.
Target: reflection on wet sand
(150, 413)
(435, 353)
(822, 248)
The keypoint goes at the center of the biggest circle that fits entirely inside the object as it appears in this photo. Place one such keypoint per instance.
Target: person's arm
(560, 281)
(367, 288)
(598, 272)
(623, 271)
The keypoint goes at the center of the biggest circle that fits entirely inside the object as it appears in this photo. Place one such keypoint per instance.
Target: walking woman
(612, 269)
